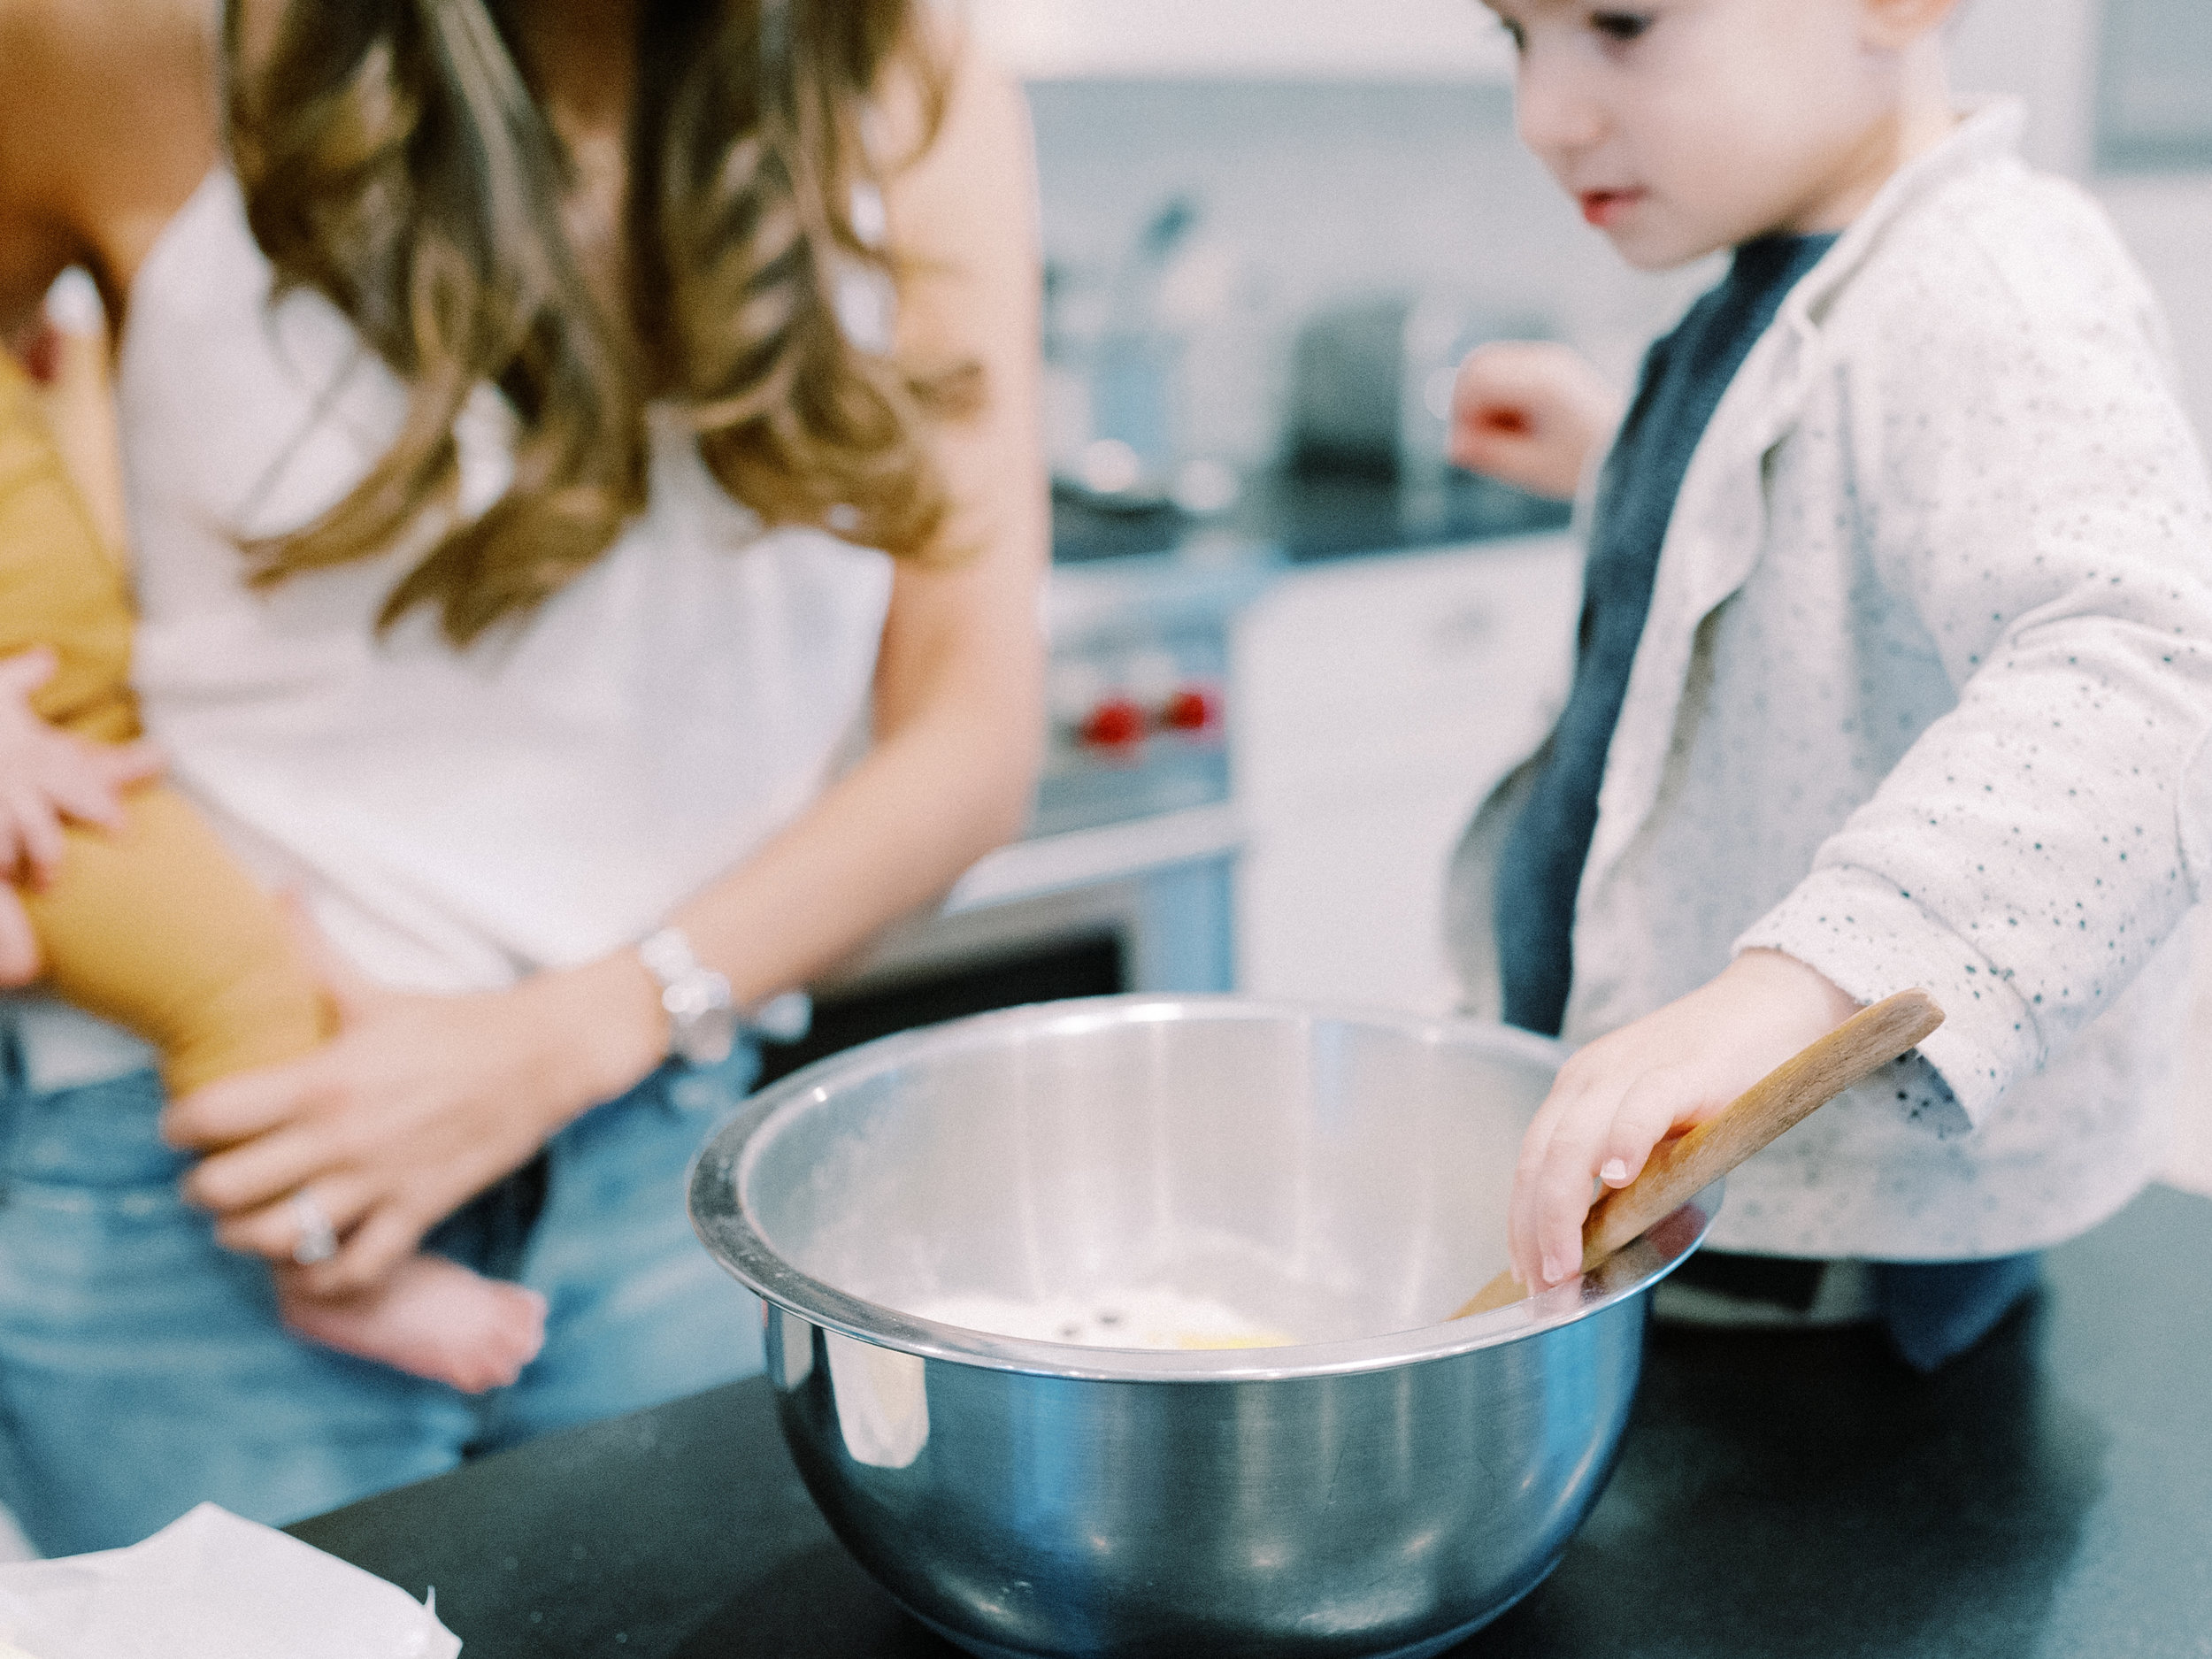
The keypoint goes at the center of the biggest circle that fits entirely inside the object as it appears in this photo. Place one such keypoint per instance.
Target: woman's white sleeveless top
(457, 819)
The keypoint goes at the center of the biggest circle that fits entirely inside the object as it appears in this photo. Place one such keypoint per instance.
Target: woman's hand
(419, 1103)
(1618, 1097)
(1533, 414)
(48, 779)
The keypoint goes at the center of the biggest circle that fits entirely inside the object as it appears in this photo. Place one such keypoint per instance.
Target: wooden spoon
(1681, 1168)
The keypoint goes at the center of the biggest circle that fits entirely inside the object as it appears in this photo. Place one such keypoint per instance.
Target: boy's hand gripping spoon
(1681, 1168)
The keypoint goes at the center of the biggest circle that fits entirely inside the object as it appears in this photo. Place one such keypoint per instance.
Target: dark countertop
(2049, 1494)
(1305, 516)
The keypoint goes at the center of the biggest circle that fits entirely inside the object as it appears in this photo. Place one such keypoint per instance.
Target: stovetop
(1142, 605)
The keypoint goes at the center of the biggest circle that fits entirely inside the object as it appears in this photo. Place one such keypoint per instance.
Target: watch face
(708, 1037)
(701, 1021)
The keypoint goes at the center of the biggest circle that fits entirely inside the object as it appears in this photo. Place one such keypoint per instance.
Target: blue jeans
(143, 1369)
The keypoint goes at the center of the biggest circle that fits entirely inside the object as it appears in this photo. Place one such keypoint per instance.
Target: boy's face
(1683, 126)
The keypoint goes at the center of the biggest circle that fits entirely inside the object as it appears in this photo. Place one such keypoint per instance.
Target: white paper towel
(210, 1585)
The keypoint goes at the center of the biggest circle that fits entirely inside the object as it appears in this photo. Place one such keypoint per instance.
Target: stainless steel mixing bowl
(1387, 1486)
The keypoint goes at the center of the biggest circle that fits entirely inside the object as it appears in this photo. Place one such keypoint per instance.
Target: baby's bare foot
(433, 1317)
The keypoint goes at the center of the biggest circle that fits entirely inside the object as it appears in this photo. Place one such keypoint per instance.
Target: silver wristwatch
(703, 1019)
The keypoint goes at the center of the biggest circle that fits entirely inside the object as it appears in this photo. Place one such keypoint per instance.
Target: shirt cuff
(1872, 940)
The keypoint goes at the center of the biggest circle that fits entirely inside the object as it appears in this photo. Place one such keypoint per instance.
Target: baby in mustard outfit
(155, 927)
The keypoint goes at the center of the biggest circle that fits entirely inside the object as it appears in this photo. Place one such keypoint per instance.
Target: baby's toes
(519, 1333)
(507, 1333)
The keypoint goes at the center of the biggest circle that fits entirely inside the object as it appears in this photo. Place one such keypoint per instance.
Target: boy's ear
(1893, 24)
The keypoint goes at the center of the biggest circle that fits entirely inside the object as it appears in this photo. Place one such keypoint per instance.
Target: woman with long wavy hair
(587, 529)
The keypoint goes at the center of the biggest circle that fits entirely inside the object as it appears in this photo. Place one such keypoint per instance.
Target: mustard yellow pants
(155, 927)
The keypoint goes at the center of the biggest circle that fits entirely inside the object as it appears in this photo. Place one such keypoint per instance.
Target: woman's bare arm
(107, 124)
(423, 1101)
(958, 711)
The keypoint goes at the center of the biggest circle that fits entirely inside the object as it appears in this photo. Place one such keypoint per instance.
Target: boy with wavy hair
(1893, 666)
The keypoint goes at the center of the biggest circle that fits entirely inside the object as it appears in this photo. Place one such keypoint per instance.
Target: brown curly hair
(395, 159)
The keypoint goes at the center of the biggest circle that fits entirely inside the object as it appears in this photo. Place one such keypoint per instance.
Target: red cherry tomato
(1114, 724)
(1192, 709)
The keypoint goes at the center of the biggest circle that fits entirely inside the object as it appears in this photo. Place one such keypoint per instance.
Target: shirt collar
(1987, 135)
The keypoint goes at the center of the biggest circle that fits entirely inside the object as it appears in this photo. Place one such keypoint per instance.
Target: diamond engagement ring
(318, 1238)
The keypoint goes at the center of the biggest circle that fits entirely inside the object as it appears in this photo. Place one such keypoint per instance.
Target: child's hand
(1621, 1096)
(47, 779)
(1531, 414)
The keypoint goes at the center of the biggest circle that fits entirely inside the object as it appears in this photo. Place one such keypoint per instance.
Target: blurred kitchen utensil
(1153, 371)
(1869, 1040)
(1372, 382)
(1346, 390)
(1384, 1486)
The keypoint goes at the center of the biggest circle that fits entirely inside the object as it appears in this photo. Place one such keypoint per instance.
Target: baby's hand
(1621, 1096)
(47, 779)
(1531, 413)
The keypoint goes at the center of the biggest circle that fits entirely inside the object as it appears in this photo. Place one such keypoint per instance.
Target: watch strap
(702, 1017)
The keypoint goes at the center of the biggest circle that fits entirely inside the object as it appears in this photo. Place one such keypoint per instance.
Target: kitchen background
(1291, 650)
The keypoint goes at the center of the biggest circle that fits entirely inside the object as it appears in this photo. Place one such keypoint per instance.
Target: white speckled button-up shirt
(1924, 700)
